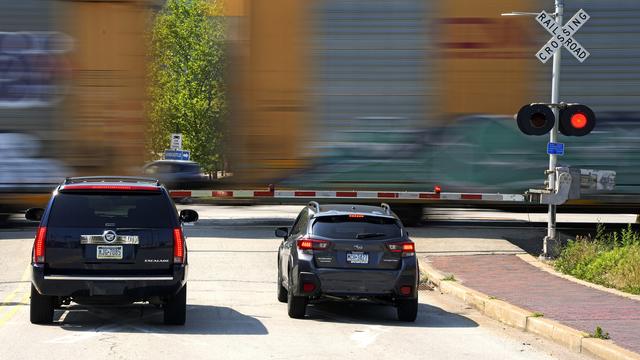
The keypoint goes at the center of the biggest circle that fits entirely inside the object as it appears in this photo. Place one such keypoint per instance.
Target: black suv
(347, 252)
(109, 240)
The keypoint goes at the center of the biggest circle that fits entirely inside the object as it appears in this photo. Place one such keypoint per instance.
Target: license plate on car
(354, 257)
(109, 252)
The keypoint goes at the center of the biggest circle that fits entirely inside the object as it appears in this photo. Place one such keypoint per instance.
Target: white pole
(550, 241)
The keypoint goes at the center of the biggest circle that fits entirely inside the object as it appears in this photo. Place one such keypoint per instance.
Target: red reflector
(38, 245)
(357, 216)
(111, 187)
(308, 287)
(178, 246)
(578, 120)
(405, 290)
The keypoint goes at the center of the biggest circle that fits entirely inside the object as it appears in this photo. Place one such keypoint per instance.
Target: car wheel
(41, 308)
(282, 292)
(296, 305)
(175, 309)
(407, 309)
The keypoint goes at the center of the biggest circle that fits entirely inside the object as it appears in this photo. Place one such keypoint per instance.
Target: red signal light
(578, 120)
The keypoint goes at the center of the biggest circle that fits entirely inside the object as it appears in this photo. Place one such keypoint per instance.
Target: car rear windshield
(362, 228)
(112, 210)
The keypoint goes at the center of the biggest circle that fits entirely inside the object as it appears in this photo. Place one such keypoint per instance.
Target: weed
(537, 314)
(600, 334)
(449, 278)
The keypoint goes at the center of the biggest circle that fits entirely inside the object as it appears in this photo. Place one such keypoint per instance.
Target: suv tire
(282, 292)
(407, 309)
(296, 305)
(175, 309)
(41, 308)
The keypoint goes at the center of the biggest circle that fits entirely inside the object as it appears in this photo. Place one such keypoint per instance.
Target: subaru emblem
(109, 236)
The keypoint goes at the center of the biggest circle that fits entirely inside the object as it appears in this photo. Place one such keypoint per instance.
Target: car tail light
(178, 246)
(405, 290)
(312, 244)
(406, 248)
(38, 245)
(308, 287)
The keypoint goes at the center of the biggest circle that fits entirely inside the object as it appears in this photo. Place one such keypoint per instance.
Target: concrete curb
(548, 268)
(526, 320)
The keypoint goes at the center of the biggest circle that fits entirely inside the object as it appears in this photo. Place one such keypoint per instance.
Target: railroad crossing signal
(562, 36)
(538, 119)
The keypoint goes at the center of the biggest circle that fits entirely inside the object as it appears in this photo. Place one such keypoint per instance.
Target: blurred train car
(407, 94)
(71, 94)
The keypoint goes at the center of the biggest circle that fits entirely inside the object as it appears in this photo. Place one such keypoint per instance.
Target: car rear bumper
(356, 282)
(132, 287)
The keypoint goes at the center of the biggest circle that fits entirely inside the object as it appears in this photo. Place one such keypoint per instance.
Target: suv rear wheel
(175, 310)
(41, 308)
(296, 305)
(407, 309)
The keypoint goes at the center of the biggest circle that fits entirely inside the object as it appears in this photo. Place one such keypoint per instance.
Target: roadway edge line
(512, 315)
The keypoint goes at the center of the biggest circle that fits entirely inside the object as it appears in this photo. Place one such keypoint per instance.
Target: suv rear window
(111, 210)
(363, 228)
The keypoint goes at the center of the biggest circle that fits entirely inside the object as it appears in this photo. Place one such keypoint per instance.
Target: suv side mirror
(188, 216)
(34, 214)
(282, 232)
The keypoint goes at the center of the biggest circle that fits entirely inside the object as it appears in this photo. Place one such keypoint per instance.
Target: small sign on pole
(176, 142)
(177, 154)
(555, 148)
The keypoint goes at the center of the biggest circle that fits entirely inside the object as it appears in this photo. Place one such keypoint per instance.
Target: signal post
(571, 119)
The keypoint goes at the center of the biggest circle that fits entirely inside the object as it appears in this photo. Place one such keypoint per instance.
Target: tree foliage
(187, 87)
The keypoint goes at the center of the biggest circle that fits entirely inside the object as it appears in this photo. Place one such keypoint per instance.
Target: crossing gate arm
(302, 196)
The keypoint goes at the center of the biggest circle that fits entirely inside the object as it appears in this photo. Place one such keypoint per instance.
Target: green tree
(187, 86)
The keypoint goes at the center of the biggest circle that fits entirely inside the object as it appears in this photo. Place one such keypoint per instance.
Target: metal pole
(550, 241)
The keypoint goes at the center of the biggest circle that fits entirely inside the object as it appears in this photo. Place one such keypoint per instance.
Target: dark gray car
(347, 252)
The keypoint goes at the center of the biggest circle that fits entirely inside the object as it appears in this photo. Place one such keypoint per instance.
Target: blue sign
(555, 149)
(177, 154)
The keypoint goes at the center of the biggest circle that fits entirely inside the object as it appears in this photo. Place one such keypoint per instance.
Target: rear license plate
(109, 252)
(354, 257)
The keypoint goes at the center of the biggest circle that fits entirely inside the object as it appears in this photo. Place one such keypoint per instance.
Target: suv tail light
(312, 244)
(406, 248)
(38, 245)
(178, 246)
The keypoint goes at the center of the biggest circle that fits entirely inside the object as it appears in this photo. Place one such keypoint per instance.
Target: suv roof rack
(314, 205)
(81, 179)
(386, 207)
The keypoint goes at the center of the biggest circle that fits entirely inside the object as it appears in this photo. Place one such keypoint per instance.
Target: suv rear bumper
(133, 287)
(356, 282)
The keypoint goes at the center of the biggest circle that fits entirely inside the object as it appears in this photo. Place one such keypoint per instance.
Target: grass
(537, 314)
(600, 334)
(610, 259)
(449, 278)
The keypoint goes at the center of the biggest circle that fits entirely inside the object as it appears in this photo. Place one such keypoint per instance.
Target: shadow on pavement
(144, 318)
(370, 314)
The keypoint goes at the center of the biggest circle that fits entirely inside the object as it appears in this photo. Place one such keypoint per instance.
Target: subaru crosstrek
(347, 252)
(109, 240)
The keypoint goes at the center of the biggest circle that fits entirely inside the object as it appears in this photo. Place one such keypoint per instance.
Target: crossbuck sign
(562, 36)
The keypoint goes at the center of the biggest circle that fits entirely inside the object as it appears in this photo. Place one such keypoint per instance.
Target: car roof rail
(314, 205)
(81, 179)
(386, 207)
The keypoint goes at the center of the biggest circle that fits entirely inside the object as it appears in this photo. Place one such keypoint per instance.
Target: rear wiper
(369, 235)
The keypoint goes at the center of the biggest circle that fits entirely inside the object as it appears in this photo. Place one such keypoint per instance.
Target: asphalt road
(233, 312)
